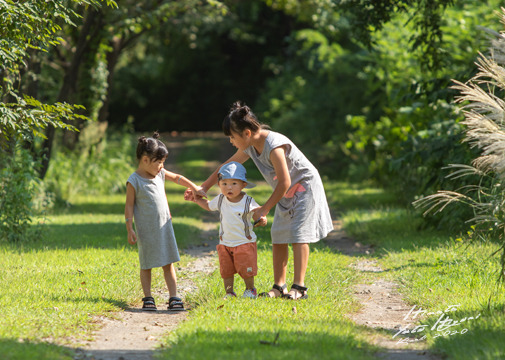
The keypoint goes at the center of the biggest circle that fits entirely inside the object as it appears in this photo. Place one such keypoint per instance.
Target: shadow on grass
(77, 298)
(101, 236)
(284, 344)
(12, 349)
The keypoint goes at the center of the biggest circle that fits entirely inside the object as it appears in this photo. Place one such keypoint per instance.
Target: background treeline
(363, 87)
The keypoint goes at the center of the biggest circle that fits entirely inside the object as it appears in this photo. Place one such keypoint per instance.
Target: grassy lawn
(83, 267)
(235, 328)
(436, 270)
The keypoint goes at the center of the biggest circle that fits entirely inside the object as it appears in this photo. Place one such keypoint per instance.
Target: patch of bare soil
(383, 307)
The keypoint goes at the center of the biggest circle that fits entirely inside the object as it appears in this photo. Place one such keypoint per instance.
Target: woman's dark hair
(152, 147)
(241, 118)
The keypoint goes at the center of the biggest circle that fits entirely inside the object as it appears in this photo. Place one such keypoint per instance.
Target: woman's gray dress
(155, 235)
(302, 215)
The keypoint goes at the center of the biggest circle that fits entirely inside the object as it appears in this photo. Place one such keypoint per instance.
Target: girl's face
(232, 188)
(241, 142)
(152, 167)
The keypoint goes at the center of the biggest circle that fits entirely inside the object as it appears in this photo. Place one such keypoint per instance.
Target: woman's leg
(280, 254)
(170, 279)
(300, 262)
(145, 281)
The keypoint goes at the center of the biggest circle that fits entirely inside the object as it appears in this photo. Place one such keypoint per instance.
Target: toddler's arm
(183, 181)
(204, 203)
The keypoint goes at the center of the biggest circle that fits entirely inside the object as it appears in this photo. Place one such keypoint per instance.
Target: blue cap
(235, 170)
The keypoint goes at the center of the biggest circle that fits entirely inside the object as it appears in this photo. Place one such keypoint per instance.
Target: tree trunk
(92, 25)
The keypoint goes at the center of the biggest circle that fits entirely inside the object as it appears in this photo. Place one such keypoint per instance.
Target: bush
(97, 169)
(18, 186)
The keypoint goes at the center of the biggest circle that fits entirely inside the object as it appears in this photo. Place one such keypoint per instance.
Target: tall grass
(484, 109)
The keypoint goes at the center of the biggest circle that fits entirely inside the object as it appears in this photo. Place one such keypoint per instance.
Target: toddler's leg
(249, 283)
(228, 285)
(145, 281)
(170, 279)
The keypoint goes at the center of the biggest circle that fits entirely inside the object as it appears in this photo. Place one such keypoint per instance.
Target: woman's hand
(260, 216)
(200, 193)
(262, 221)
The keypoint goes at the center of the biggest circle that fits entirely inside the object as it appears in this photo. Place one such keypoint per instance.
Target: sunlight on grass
(82, 267)
(435, 272)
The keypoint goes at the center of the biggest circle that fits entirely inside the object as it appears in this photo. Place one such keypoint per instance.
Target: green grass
(82, 267)
(435, 271)
(238, 327)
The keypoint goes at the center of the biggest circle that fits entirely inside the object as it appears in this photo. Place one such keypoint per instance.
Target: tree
(87, 60)
(27, 28)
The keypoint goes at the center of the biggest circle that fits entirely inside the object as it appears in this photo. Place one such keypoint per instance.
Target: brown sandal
(280, 289)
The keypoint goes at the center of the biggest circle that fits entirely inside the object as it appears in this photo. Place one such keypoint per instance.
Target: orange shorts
(242, 259)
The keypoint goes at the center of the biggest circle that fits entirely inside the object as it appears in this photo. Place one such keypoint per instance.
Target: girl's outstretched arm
(278, 158)
(183, 181)
(128, 213)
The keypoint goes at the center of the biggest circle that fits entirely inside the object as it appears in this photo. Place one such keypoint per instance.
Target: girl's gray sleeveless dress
(302, 215)
(155, 235)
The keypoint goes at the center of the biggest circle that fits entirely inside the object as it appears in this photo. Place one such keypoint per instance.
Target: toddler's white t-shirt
(235, 220)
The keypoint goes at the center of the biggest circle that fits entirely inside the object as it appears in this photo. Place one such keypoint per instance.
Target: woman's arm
(278, 158)
(128, 213)
(239, 156)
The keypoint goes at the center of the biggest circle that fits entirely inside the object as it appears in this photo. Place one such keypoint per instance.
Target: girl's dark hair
(241, 118)
(152, 147)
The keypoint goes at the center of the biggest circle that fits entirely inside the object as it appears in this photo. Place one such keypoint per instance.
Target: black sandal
(301, 289)
(276, 287)
(175, 304)
(149, 304)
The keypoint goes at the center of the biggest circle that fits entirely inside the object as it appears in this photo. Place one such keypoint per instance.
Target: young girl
(146, 201)
(301, 215)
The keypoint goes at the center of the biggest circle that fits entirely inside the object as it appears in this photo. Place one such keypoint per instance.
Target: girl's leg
(228, 285)
(170, 279)
(145, 281)
(280, 253)
(300, 262)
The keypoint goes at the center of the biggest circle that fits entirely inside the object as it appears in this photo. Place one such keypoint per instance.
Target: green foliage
(434, 269)
(99, 169)
(482, 102)
(17, 190)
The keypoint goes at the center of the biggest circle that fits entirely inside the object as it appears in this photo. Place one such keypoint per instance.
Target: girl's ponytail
(151, 147)
(240, 118)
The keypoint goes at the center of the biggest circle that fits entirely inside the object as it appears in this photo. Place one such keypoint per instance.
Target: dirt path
(134, 334)
(383, 307)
